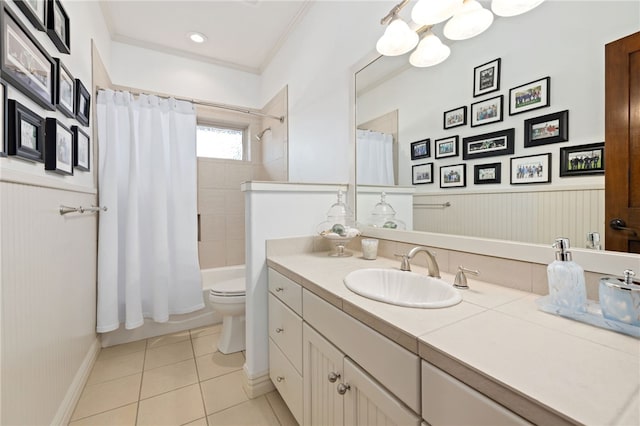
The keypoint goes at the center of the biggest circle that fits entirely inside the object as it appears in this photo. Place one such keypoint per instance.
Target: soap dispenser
(566, 280)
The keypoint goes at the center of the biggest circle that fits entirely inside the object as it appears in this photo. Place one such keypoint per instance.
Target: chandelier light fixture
(465, 19)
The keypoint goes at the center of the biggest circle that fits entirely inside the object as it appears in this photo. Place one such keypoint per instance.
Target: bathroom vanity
(339, 358)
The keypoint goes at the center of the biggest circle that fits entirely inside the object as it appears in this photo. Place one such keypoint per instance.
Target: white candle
(369, 248)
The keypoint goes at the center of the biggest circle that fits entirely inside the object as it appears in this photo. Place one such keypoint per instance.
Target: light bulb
(513, 7)
(430, 12)
(397, 39)
(197, 37)
(472, 19)
(430, 52)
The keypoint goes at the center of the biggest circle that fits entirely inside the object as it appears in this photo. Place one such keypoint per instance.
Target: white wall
(560, 39)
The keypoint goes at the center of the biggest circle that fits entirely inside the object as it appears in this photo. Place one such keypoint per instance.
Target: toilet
(228, 299)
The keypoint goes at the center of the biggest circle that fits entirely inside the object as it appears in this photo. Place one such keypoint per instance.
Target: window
(214, 141)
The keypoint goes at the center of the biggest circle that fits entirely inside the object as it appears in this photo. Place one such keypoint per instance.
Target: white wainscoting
(48, 299)
(518, 215)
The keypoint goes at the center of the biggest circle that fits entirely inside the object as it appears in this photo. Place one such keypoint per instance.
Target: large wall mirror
(512, 171)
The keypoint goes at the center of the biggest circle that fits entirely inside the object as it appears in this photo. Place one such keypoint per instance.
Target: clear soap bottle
(566, 280)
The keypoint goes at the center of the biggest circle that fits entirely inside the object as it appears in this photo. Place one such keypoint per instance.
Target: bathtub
(177, 323)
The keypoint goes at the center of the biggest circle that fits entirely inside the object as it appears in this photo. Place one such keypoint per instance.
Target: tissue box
(620, 301)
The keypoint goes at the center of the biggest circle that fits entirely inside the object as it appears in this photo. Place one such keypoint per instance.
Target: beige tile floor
(177, 379)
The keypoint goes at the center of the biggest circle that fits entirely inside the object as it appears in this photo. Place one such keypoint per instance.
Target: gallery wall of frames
(39, 73)
(488, 110)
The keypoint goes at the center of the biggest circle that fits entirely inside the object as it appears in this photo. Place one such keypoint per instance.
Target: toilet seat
(230, 288)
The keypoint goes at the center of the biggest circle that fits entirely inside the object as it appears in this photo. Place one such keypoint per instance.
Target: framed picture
(83, 103)
(58, 26)
(421, 149)
(24, 63)
(486, 78)
(453, 176)
(487, 173)
(487, 111)
(455, 117)
(529, 96)
(58, 155)
(35, 11)
(531, 169)
(3, 118)
(422, 173)
(447, 147)
(65, 90)
(80, 149)
(25, 132)
(550, 128)
(581, 160)
(488, 145)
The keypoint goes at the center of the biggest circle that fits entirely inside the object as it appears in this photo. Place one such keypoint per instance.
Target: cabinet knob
(279, 330)
(343, 388)
(279, 379)
(279, 289)
(333, 376)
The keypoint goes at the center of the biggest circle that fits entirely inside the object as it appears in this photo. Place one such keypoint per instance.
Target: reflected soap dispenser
(566, 280)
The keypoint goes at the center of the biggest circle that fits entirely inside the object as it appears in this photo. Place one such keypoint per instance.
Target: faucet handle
(404, 262)
(461, 279)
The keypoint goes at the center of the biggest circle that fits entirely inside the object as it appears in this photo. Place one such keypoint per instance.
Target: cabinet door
(322, 403)
(367, 403)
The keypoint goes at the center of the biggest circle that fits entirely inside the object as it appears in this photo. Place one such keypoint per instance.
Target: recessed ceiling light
(197, 37)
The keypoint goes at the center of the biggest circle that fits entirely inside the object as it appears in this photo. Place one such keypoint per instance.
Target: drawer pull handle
(279, 289)
(279, 379)
(342, 388)
(279, 330)
(333, 376)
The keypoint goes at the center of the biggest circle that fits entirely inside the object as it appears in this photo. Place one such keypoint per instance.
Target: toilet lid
(235, 287)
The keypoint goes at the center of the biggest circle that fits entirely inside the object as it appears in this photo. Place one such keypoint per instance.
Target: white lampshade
(513, 7)
(472, 19)
(430, 12)
(397, 39)
(430, 52)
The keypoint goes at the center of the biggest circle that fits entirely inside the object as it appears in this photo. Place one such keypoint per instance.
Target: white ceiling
(242, 34)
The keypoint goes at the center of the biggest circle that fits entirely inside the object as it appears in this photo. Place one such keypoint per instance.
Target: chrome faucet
(405, 265)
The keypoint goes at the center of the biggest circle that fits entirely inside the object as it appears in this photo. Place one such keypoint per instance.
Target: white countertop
(579, 372)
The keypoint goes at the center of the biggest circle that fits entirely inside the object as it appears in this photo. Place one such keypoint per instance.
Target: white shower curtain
(374, 153)
(147, 239)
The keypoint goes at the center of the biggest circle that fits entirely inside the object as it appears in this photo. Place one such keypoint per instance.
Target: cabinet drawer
(285, 329)
(286, 379)
(385, 360)
(286, 290)
(448, 401)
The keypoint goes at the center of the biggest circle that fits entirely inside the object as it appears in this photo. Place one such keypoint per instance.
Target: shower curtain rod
(209, 104)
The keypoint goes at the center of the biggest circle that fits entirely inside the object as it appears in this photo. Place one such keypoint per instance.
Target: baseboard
(68, 404)
(256, 386)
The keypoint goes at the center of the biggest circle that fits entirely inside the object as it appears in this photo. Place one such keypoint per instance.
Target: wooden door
(622, 144)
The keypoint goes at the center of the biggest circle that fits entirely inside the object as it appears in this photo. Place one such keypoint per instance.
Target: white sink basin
(402, 288)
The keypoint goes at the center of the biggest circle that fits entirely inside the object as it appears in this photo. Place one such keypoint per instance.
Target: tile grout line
(144, 360)
(204, 406)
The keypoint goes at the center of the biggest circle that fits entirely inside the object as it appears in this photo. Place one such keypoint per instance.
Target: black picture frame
(81, 149)
(422, 174)
(572, 160)
(58, 147)
(37, 16)
(421, 149)
(455, 117)
(489, 144)
(486, 78)
(83, 103)
(546, 129)
(487, 111)
(531, 169)
(453, 176)
(19, 116)
(529, 96)
(65, 90)
(4, 117)
(58, 26)
(36, 79)
(446, 147)
(487, 173)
